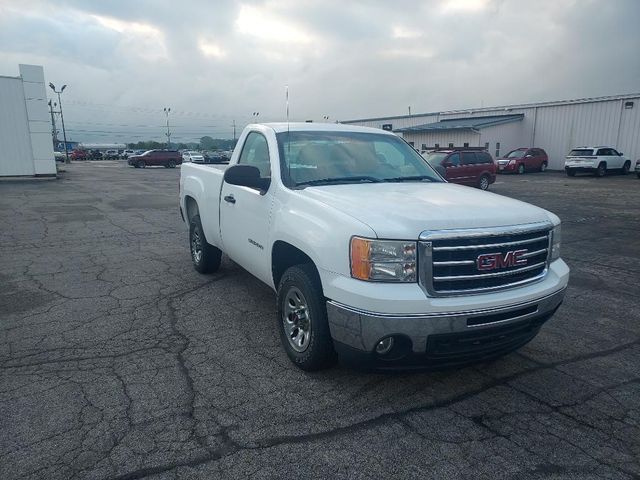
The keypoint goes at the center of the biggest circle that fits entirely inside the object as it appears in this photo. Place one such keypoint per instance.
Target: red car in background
(466, 166)
(164, 158)
(79, 155)
(523, 160)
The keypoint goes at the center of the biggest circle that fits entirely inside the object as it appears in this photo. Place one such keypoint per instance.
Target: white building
(26, 148)
(556, 127)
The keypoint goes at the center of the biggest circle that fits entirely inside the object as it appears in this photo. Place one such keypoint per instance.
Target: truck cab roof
(280, 127)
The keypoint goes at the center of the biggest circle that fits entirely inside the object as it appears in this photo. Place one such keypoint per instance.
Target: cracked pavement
(119, 361)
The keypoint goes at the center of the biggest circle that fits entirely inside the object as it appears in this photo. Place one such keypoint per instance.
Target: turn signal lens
(360, 265)
(383, 260)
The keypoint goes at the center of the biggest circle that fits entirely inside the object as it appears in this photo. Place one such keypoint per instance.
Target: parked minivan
(524, 160)
(466, 166)
(164, 158)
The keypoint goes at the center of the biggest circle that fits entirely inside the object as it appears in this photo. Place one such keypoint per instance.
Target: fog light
(384, 346)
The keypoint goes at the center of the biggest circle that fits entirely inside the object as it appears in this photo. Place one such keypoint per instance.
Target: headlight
(555, 243)
(383, 260)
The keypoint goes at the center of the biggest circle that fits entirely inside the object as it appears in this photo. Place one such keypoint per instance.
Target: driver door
(245, 213)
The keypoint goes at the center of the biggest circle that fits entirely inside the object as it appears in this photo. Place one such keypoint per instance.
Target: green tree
(207, 143)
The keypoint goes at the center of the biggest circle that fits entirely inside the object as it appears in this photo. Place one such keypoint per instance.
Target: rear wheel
(302, 319)
(205, 257)
(171, 164)
(601, 171)
(626, 167)
(543, 167)
(571, 172)
(483, 183)
(141, 164)
(521, 168)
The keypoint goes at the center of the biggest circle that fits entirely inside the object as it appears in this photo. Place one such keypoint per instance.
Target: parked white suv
(596, 160)
(191, 156)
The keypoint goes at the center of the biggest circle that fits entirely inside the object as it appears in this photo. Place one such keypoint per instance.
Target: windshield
(581, 152)
(516, 154)
(148, 152)
(349, 157)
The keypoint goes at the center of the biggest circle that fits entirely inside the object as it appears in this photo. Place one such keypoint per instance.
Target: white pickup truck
(375, 259)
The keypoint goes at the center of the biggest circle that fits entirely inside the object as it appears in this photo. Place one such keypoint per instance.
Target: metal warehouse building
(555, 126)
(25, 126)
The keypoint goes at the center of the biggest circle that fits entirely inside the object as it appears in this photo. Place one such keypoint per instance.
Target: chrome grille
(455, 262)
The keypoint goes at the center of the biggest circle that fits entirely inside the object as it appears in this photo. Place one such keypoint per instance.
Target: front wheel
(483, 183)
(521, 168)
(302, 319)
(626, 167)
(543, 167)
(141, 164)
(171, 164)
(205, 257)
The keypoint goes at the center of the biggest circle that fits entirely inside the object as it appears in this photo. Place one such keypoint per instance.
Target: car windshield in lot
(516, 154)
(324, 158)
(581, 152)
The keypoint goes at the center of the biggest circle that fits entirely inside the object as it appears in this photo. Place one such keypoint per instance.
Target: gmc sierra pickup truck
(375, 259)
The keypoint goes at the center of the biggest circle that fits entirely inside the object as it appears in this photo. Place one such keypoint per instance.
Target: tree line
(206, 143)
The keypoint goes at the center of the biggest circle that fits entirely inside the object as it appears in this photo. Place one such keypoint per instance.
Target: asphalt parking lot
(119, 361)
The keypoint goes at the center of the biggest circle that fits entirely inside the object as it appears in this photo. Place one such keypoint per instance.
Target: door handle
(229, 199)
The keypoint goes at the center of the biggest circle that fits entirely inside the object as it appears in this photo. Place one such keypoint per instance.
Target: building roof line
(550, 103)
(468, 123)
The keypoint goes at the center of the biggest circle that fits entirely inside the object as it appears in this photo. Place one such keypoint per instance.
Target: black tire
(543, 166)
(601, 171)
(483, 182)
(638, 174)
(316, 352)
(141, 164)
(205, 257)
(521, 169)
(171, 164)
(626, 167)
(571, 172)
(135, 165)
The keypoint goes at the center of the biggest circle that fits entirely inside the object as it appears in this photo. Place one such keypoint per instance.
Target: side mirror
(246, 176)
(620, 154)
(441, 170)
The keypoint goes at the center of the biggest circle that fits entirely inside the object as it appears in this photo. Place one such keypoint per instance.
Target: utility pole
(409, 110)
(168, 134)
(54, 130)
(64, 132)
(234, 130)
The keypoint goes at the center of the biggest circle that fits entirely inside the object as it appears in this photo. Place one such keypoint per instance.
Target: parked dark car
(163, 158)
(523, 160)
(466, 166)
(95, 155)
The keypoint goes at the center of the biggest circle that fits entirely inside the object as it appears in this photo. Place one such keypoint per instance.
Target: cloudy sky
(215, 62)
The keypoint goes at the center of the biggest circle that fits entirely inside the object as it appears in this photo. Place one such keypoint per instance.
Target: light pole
(168, 134)
(64, 132)
(325, 117)
(255, 116)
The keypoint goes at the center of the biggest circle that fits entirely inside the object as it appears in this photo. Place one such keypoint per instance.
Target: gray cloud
(215, 62)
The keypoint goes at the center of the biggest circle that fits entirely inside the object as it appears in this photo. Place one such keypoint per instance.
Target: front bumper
(437, 340)
(506, 167)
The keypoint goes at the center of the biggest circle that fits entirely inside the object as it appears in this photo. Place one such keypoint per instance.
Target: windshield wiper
(322, 181)
(408, 179)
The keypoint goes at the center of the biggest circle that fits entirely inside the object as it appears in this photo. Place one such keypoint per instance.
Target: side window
(602, 151)
(454, 159)
(469, 158)
(255, 152)
(613, 152)
(484, 157)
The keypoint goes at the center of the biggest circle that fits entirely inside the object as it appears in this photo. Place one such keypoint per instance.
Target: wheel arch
(285, 255)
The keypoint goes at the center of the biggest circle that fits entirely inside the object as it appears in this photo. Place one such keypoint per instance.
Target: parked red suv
(524, 160)
(466, 166)
(79, 155)
(164, 158)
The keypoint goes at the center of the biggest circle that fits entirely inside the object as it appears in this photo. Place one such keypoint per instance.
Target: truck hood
(403, 210)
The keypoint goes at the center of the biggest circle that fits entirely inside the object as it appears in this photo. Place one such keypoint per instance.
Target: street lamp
(64, 132)
(168, 134)
(255, 116)
(325, 117)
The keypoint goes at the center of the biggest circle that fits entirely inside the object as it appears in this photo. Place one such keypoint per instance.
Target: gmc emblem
(494, 261)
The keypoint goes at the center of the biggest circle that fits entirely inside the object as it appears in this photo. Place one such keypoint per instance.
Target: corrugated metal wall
(16, 157)
(555, 127)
